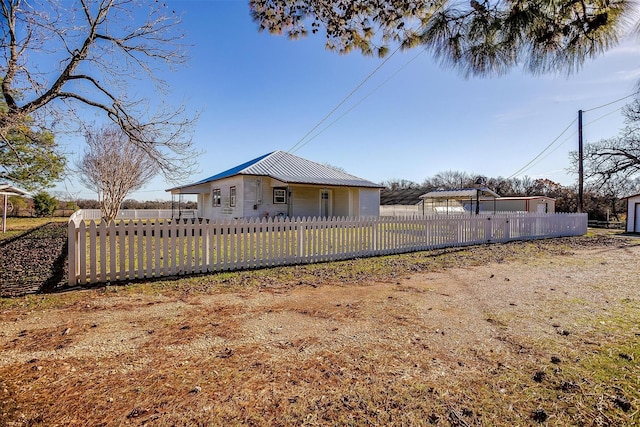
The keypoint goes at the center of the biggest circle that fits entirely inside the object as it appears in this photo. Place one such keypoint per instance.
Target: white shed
(633, 214)
(531, 204)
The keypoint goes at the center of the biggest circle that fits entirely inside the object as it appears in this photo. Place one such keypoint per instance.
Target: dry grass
(19, 225)
(518, 334)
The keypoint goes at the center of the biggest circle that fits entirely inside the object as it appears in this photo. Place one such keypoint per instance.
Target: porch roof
(9, 190)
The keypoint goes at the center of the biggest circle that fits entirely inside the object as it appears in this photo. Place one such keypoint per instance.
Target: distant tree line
(42, 205)
(135, 204)
(600, 202)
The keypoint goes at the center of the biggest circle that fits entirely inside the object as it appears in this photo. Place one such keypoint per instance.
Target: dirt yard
(520, 334)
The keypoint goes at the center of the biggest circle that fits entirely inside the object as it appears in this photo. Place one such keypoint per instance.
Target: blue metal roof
(287, 168)
(231, 172)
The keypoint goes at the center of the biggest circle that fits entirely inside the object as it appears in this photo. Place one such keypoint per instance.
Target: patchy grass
(19, 225)
(26, 223)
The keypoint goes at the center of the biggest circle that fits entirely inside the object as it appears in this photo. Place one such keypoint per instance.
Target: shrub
(44, 204)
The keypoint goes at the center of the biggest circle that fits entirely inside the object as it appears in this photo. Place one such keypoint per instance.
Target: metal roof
(290, 169)
(10, 190)
(459, 194)
(405, 196)
(525, 198)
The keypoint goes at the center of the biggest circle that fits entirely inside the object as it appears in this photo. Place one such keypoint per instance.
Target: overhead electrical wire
(522, 171)
(360, 101)
(612, 102)
(568, 138)
(537, 159)
(602, 117)
(346, 98)
(519, 171)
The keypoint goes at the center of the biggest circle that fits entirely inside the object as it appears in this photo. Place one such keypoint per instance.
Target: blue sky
(257, 93)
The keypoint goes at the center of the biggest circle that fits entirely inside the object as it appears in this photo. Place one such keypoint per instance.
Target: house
(633, 213)
(284, 185)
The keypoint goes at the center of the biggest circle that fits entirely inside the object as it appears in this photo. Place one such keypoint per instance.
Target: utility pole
(580, 167)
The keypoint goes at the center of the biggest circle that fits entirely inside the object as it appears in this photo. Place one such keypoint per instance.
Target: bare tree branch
(113, 43)
(113, 166)
(610, 162)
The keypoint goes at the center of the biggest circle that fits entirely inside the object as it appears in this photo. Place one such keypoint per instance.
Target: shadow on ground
(35, 261)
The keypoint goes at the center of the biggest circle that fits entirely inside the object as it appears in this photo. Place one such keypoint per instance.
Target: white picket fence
(89, 214)
(135, 249)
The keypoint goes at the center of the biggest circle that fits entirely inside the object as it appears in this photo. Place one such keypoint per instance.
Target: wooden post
(71, 254)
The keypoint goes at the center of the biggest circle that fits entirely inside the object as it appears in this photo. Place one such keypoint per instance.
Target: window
(279, 196)
(232, 196)
(215, 197)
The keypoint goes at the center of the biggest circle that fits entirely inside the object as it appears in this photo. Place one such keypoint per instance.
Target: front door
(325, 203)
(636, 219)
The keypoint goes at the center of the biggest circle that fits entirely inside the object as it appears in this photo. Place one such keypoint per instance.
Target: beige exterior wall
(343, 202)
(255, 199)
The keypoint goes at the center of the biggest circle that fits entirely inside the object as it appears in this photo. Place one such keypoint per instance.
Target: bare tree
(450, 179)
(113, 166)
(612, 161)
(61, 59)
(399, 184)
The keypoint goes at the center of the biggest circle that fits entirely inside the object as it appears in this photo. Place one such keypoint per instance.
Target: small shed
(7, 190)
(466, 200)
(529, 204)
(633, 213)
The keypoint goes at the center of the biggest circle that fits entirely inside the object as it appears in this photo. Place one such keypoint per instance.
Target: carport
(466, 200)
(7, 190)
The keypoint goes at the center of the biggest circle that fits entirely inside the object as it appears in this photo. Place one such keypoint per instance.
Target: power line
(571, 136)
(548, 154)
(536, 160)
(542, 152)
(612, 102)
(345, 99)
(361, 100)
(603, 116)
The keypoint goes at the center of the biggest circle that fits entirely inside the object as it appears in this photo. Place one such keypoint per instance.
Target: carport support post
(4, 215)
